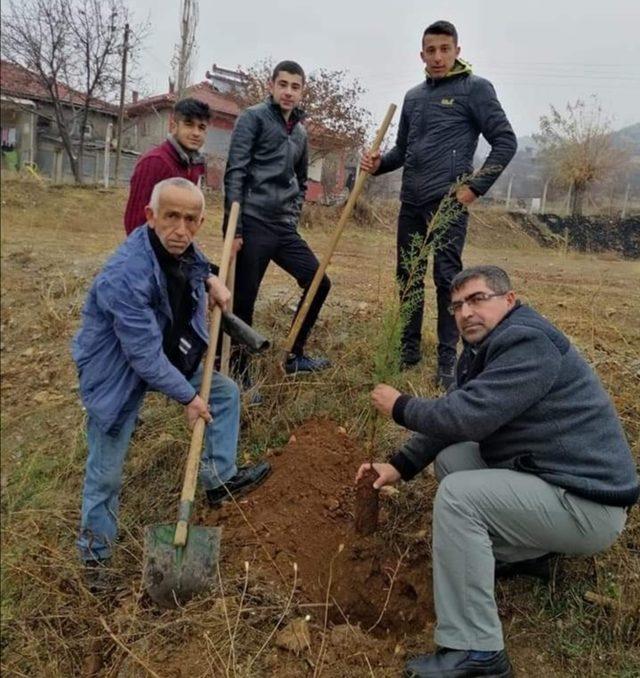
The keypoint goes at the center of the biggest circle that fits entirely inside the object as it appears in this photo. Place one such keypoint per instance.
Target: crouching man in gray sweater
(531, 459)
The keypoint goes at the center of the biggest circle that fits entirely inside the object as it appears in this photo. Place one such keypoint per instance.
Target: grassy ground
(54, 241)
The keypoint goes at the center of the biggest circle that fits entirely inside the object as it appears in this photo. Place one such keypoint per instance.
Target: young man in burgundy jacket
(178, 156)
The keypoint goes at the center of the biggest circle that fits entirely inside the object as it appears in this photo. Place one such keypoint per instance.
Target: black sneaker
(305, 364)
(538, 568)
(458, 664)
(246, 479)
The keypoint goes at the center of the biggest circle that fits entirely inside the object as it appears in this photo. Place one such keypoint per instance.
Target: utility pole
(107, 154)
(623, 214)
(543, 206)
(508, 203)
(569, 197)
(123, 85)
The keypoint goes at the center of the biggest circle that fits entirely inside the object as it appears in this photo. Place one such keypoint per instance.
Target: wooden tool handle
(226, 339)
(346, 213)
(197, 436)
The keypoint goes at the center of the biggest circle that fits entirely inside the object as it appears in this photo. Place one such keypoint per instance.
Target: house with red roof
(30, 135)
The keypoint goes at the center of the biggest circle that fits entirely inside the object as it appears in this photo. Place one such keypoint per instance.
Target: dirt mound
(304, 514)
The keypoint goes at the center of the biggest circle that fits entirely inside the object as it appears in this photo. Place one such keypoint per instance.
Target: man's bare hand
(388, 474)
(370, 162)
(383, 398)
(218, 293)
(465, 195)
(195, 409)
(236, 246)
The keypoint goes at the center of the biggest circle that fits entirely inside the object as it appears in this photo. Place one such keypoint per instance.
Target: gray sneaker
(305, 364)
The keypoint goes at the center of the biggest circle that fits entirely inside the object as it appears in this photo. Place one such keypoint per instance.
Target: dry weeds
(53, 241)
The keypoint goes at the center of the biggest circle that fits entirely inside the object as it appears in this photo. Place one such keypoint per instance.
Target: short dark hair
(191, 109)
(442, 28)
(290, 67)
(496, 278)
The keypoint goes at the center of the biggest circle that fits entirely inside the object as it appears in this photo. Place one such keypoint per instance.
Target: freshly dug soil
(304, 513)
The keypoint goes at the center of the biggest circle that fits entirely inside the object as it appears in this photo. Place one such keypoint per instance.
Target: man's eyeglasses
(472, 301)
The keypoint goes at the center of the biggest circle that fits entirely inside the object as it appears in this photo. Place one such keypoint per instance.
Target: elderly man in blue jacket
(144, 328)
(531, 457)
(438, 132)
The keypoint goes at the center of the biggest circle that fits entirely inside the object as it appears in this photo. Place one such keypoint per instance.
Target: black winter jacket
(534, 405)
(438, 133)
(267, 166)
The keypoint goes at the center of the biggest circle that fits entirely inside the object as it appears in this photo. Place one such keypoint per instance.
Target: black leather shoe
(540, 568)
(246, 479)
(457, 664)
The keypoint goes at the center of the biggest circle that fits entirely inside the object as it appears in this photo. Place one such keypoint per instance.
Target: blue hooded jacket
(118, 349)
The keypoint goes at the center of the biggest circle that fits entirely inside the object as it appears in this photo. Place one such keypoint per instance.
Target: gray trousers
(482, 514)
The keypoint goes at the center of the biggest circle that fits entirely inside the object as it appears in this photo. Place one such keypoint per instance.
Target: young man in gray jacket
(531, 458)
(267, 174)
(440, 123)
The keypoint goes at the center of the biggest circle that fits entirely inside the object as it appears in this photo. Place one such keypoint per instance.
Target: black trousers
(413, 220)
(264, 242)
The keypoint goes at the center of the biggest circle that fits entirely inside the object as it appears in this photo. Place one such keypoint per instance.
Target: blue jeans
(103, 474)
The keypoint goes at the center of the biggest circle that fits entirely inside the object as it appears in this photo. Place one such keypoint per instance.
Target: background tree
(186, 51)
(74, 48)
(577, 149)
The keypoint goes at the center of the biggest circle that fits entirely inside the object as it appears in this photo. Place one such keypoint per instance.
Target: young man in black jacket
(267, 174)
(438, 133)
(531, 459)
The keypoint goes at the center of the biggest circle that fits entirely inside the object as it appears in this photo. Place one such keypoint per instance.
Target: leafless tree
(577, 148)
(74, 48)
(186, 50)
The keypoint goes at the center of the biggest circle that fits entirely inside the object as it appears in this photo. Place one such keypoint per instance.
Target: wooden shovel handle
(346, 213)
(197, 436)
(226, 339)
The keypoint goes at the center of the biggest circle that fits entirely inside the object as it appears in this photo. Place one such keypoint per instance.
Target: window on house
(314, 171)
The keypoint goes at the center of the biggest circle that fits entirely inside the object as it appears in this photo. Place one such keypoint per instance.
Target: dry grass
(53, 241)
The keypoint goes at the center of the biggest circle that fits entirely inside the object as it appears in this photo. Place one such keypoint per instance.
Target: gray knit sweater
(534, 405)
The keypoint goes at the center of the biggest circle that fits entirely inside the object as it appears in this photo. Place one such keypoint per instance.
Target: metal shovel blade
(173, 575)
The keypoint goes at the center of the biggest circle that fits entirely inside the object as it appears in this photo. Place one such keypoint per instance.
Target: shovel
(180, 559)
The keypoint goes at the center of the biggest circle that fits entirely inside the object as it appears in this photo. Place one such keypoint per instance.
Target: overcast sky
(536, 53)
